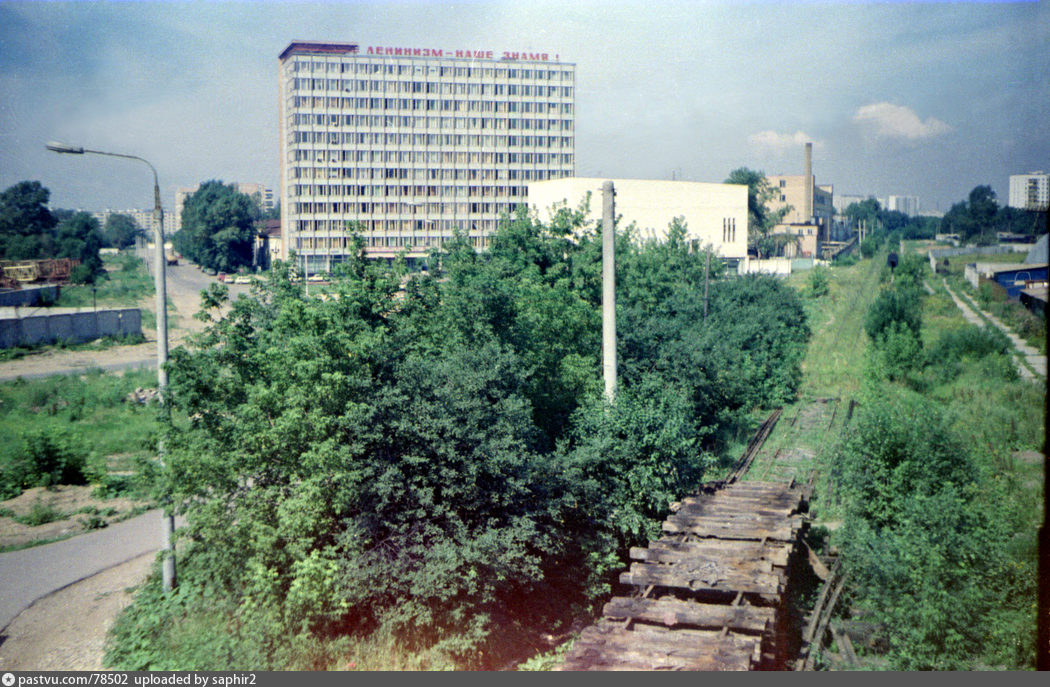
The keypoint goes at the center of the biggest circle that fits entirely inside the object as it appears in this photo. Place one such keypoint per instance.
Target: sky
(906, 98)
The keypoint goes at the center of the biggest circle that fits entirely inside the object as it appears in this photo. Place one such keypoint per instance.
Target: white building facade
(714, 214)
(909, 205)
(146, 219)
(405, 145)
(1029, 191)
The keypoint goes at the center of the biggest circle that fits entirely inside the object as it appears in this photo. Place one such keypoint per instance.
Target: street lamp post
(162, 334)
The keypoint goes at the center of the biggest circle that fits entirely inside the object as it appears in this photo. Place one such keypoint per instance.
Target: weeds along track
(717, 590)
(713, 593)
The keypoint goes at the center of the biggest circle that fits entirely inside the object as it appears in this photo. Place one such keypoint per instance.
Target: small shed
(1016, 278)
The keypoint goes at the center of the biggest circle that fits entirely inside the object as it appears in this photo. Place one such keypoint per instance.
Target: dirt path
(1035, 360)
(67, 629)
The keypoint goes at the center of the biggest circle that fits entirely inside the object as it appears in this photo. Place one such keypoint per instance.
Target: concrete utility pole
(707, 279)
(162, 333)
(609, 290)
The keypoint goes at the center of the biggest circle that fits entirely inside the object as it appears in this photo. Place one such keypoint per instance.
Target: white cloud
(781, 144)
(886, 120)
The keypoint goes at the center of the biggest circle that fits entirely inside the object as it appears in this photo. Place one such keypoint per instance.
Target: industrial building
(715, 214)
(405, 145)
(810, 205)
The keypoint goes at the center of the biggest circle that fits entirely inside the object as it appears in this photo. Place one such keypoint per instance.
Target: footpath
(1033, 360)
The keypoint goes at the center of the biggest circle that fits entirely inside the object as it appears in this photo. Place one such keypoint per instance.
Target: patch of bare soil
(1030, 457)
(76, 507)
(67, 630)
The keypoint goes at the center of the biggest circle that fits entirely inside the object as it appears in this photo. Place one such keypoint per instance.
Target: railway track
(713, 593)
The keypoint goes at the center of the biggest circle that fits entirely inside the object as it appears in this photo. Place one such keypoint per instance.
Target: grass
(993, 411)
(124, 284)
(834, 359)
(807, 435)
(89, 410)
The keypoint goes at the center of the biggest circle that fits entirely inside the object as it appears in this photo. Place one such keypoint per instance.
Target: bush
(40, 514)
(926, 549)
(818, 282)
(896, 355)
(460, 477)
(970, 341)
(46, 459)
(894, 305)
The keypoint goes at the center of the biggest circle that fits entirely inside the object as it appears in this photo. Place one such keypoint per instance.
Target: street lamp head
(63, 148)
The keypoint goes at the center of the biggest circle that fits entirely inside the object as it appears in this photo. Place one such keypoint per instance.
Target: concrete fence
(29, 296)
(75, 327)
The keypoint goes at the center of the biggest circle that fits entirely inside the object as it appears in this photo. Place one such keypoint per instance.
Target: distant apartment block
(266, 197)
(407, 145)
(908, 205)
(809, 203)
(715, 214)
(844, 200)
(144, 218)
(1029, 191)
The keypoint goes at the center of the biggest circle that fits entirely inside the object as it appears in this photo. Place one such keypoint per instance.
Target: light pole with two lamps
(162, 334)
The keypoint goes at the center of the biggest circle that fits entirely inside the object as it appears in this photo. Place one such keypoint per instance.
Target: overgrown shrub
(926, 549)
(46, 459)
(434, 463)
(818, 282)
(894, 305)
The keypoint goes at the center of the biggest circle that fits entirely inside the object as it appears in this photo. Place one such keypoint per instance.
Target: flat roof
(324, 48)
(317, 48)
(1016, 267)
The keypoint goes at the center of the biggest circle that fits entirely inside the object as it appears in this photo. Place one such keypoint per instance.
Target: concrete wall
(714, 214)
(76, 327)
(778, 266)
(29, 296)
(979, 250)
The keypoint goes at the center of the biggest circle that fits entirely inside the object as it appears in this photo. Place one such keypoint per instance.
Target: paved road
(185, 282)
(30, 574)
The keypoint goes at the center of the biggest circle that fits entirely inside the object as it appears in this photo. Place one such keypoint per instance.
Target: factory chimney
(807, 203)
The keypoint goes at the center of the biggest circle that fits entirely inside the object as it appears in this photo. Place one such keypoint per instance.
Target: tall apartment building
(146, 219)
(1029, 191)
(408, 144)
(909, 205)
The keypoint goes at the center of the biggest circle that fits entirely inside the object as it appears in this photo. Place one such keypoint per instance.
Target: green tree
(430, 456)
(26, 223)
(80, 238)
(760, 218)
(121, 231)
(865, 212)
(218, 227)
(977, 219)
